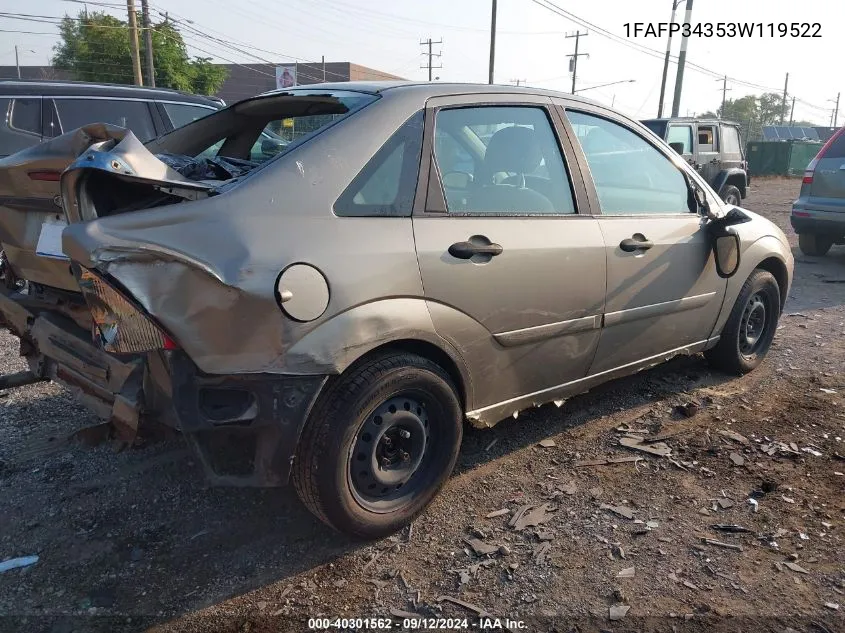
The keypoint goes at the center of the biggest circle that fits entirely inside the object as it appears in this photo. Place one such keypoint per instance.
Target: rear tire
(379, 445)
(814, 245)
(751, 326)
(731, 195)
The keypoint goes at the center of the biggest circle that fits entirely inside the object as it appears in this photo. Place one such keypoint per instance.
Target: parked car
(334, 314)
(34, 111)
(713, 147)
(818, 215)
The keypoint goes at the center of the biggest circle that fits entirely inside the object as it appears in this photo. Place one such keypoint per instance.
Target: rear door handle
(636, 243)
(466, 250)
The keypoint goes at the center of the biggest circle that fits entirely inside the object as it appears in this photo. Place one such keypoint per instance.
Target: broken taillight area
(120, 326)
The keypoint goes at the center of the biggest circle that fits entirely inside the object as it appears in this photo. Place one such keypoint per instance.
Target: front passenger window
(631, 176)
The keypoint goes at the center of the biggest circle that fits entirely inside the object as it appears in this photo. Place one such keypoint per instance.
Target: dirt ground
(135, 540)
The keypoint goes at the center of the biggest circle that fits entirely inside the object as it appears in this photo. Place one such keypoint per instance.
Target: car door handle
(632, 244)
(466, 250)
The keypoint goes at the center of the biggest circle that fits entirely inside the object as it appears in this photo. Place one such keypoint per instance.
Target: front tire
(751, 326)
(379, 445)
(814, 245)
(731, 195)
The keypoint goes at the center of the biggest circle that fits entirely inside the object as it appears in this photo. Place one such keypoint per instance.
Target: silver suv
(413, 256)
(818, 215)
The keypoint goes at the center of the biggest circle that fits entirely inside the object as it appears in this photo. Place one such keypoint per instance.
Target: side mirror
(726, 242)
(270, 147)
(678, 147)
(726, 252)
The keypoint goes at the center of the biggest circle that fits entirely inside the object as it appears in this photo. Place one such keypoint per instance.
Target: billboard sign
(285, 76)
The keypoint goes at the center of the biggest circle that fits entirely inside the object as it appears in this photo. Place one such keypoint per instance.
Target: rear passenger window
(135, 115)
(681, 134)
(631, 176)
(501, 161)
(25, 115)
(183, 113)
(837, 148)
(707, 141)
(730, 140)
(387, 184)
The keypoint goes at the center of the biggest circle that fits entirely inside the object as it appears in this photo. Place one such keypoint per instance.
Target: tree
(95, 47)
(771, 108)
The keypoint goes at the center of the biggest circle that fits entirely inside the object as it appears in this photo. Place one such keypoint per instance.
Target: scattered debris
(529, 517)
(399, 613)
(733, 435)
(710, 541)
(618, 612)
(622, 511)
(824, 390)
(689, 585)
(688, 410)
(725, 503)
(737, 459)
(497, 513)
(628, 572)
(569, 488)
(491, 444)
(547, 443)
(812, 451)
(658, 449)
(480, 547)
(787, 499)
(834, 606)
(541, 552)
(466, 605)
(796, 568)
(754, 504)
(731, 527)
(607, 461)
(16, 563)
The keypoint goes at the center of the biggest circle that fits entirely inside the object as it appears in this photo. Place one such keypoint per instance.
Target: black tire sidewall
(340, 507)
(731, 190)
(814, 245)
(764, 283)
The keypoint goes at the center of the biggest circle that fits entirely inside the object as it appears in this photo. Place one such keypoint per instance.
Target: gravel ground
(135, 540)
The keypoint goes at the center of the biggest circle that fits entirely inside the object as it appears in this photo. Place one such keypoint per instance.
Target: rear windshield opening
(232, 142)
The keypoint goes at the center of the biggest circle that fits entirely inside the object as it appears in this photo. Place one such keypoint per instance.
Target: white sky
(385, 34)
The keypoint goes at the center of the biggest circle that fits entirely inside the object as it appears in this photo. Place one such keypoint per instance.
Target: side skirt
(490, 415)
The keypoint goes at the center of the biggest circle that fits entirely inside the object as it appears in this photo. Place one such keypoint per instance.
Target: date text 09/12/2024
(488, 623)
(723, 29)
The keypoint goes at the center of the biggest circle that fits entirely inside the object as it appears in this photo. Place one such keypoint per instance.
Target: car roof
(31, 87)
(434, 89)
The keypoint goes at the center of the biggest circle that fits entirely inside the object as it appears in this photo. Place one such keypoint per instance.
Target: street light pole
(675, 5)
(492, 43)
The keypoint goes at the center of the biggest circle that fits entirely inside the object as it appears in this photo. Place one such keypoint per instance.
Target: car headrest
(512, 149)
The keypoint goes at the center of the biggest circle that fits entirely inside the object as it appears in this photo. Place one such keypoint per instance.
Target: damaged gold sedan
(323, 283)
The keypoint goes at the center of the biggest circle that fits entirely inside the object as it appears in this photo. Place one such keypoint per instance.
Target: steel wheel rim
(753, 325)
(391, 457)
(733, 199)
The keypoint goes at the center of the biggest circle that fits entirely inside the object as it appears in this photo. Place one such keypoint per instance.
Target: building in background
(243, 80)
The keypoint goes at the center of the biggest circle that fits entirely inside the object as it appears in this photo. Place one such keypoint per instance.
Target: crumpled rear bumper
(244, 428)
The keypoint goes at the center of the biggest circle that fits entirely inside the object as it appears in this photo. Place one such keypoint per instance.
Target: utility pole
(682, 60)
(518, 82)
(675, 5)
(573, 59)
(724, 95)
(148, 42)
(835, 112)
(792, 112)
(17, 62)
(133, 42)
(492, 44)
(783, 101)
(324, 68)
(430, 55)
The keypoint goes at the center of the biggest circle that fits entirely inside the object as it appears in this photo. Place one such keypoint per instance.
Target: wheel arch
(778, 269)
